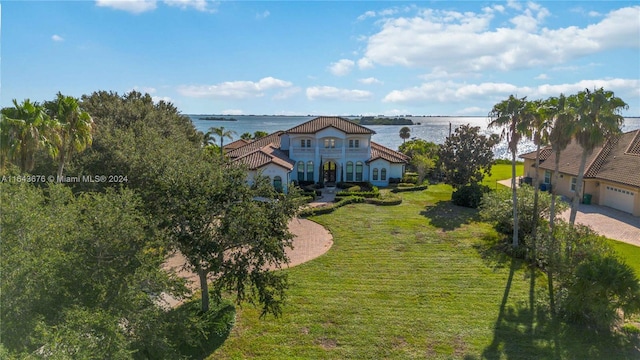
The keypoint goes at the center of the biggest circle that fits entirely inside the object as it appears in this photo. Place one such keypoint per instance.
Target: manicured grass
(501, 172)
(417, 280)
(630, 254)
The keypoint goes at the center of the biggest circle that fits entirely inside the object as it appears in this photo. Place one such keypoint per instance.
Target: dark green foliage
(497, 205)
(331, 208)
(469, 195)
(75, 269)
(409, 187)
(600, 287)
(466, 156)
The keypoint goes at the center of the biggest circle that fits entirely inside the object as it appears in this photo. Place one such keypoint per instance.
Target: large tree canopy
(466, 156)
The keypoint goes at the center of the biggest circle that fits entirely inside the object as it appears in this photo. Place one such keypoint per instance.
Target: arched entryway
(329, 172)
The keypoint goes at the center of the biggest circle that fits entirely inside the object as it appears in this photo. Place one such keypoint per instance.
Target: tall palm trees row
(60, 127)
(591, 117)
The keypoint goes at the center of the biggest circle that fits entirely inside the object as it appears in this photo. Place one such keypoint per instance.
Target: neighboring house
(327, 149)
(611, 177)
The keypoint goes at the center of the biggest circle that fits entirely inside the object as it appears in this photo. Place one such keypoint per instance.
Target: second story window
(354, 143)
(329, 143)
(305, 143)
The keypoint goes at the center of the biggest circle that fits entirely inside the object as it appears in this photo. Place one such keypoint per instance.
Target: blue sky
(323, 58)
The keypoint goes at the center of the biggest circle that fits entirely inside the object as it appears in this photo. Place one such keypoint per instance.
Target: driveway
(606, 221)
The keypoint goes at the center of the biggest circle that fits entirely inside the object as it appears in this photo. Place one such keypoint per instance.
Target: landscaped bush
(331, 208)
(410, 177)
(374, 193)
(600, 288)
(409, 188)
(470, 195)
(388, 200)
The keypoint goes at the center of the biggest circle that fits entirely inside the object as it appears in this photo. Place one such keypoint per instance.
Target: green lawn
(501, 172)
(418, 280)
(630, 253)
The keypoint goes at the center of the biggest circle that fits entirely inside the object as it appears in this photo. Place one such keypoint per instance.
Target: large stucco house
(612, 172)
(327, 149)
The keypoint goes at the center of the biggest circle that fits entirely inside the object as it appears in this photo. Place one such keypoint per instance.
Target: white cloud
(365, 63)
(454, 92)
(157, 99)
(542, 77)
(370, 81)
(366, 15)
(341, 67)
(286, 93)
(465, 42)
(333, 93)
(200, 5)
(57, 38)
(263, 15)
(132, 6)
(234, 89)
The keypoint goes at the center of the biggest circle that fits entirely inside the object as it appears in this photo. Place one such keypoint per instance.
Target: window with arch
(383, 174)
(349, 170)
(300, 170)
(277, 183)
(375, 173)
(359, 171)
(310, 171)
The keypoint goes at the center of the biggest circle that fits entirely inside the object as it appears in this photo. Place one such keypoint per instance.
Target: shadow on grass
(189, 333)
(447, 216)
(526, 329)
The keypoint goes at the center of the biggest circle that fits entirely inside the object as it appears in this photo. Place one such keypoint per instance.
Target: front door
(329, 171)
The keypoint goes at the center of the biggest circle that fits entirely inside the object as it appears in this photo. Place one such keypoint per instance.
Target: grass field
(414, 281)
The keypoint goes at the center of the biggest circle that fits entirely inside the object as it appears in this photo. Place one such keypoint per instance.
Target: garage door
(618, 198)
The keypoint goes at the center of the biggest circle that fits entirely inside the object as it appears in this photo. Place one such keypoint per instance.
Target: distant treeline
(370, 120)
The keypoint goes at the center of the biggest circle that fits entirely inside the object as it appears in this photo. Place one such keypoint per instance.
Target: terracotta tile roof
(545, 152)
(269, 154)
(618, 164)
(236, 144)
(256, 144)
(381, 152)
(617, 161)
(323, 122)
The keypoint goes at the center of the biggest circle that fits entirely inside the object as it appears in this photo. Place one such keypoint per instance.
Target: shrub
(410, 177)
(409, 188)
(386, 201)
(470, 195)
(600, 288)
(496, 208)
(331, 208)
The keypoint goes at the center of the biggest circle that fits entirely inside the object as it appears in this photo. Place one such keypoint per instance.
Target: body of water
(434, 129)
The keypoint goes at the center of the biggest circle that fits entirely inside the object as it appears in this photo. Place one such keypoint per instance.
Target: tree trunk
(514, 192)
(536, 189)
(63, 158)
(576, 195)
(554, 186)
(204, 288)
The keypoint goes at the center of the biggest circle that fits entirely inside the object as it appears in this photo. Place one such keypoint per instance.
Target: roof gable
(266, 155)
(381, 152)
(256, 144)
(323, 122)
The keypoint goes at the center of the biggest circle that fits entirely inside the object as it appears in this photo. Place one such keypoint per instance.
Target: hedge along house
(611, 177)
(327, 150)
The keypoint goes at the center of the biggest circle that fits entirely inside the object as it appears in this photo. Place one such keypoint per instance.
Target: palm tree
(538, 131)
(76, 127)
(560, 136)
(405, 133)
(510, 116)
(598, 119)
(221, 133)
(24, 129)
(246, 136)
